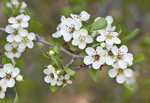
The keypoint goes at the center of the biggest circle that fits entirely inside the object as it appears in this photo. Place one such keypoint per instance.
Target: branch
(41, 40)
(2, 29)
(70, 63)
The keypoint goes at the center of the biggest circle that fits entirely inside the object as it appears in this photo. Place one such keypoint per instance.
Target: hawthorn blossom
(27, 39)
(19, 21)
(84, 16)
(19, 78)
(14, 34)
(64, 80)
(13, 50)
(123, 58)
(51, 75)
(8, 74)
(81, 38)
(120, 74)
(66, 28)
(95, 57)
(2, 89)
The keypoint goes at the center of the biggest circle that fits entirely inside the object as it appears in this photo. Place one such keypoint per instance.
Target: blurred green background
(128, 14)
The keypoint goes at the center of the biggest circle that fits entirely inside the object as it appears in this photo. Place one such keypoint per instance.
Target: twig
(41, 40)
(70, 63)
(2, 29)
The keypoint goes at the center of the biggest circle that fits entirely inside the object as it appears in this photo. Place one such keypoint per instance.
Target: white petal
(10, 38)
(96, 65)
(56, 35)
(9, 29)
(24, 24)
(115, 50)
(30, 44)
(8, 47)
(90, 51)
(11, 83)
(67, 37)
(31, 36)
(18, 38)
(15, 72)
(123, 49)
(89, 39)
(128, 72)
(12, 20)
(84, 16)
(100, 38)
(2, 73)
(112, 73)
(67, 76)
(120, 79)
(109, 19)
(122, 64)
(82, 45)
(75, 42)
(2, 95)
(47, 79)
(88, 60)
(109, 60)
(116, 40)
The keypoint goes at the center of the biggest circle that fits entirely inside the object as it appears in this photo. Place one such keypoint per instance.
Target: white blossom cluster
(106, 52)
(8, 76)
(15, 3)
(19, 38)
(72, 28)
(55, 78)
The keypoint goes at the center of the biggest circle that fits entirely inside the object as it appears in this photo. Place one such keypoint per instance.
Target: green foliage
(131, 88)
(20, 63)
(53, 88)
(139, 58)
(94, 74)
(6, 60)
(7, 10)
(16, 100)
(69, 71)
(99, 24)
(131, 35)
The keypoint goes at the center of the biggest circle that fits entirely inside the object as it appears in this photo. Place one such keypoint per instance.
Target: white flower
(51, 75)
(123, 58)
(19, 78)
(81, 38)
(109, 37)
(66, 28)
(19, 21)
(13, 50)
(14, 34)
(64, 80)
(27, 40)
(8, 73)
(23, 7)
(3, 88)
(120, 74)
(95, 57)
(84, 16)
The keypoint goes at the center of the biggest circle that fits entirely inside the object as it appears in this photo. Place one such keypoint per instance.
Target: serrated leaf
(53, 88)
(99, 24)
(69, 71)
(132, 34)
(16, 100)
(94, 74)
(139, 58)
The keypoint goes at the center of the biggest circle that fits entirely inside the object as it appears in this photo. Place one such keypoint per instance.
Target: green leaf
(131, 88)
(139, 58)
(20, 63)
(69, 71)
(8, 10)
(6, 60)
(53, 88)
(94, 74)
(131, 35)
(99, 24)
(16, 100)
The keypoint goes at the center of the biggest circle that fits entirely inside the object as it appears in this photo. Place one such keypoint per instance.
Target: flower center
(19, 21)
(81, 38)
(96, 57)
(8, 76)
(14, 50)
(120, 56)
(120, 71)
(51, 75)
(15, 32)
(110, 53)
(109, 36)
(25, 39)
(71, 30)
